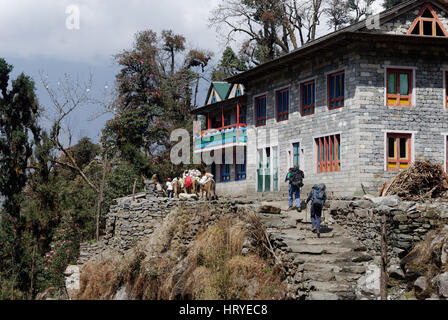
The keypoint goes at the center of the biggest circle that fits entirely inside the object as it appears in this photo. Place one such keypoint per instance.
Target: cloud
(31, 29)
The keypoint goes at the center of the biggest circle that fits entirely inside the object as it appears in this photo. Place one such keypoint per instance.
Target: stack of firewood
(422, 180)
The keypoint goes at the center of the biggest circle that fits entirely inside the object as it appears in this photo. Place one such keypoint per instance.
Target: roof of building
(347, 32)
(222, 88)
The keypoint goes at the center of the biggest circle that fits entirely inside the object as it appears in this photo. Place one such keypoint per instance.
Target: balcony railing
(235, 134)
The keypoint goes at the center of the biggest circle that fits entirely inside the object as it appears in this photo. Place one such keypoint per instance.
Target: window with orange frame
(399, 148)
(399, 87)
(328, 153)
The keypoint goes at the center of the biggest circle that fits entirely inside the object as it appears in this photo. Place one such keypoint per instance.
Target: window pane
(403, 148)
(391, 148)
(391, 83)
(404, 84)
(338, 88)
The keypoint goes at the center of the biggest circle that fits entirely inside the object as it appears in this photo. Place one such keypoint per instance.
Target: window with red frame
(399, 87)
(260, 111)
(282, 97)
(308, 90)
(399, 150)
(328, 153)
(336, 90)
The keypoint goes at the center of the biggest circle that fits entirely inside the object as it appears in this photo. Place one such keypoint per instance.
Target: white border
(326, 87)
(290, 153)
(414, 89)
(412, 133)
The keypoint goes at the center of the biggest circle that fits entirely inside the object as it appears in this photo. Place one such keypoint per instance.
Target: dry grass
(211, 268)
(98, 281)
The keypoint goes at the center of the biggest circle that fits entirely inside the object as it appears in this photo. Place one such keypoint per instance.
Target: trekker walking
(169, 188)
(295, 177)
(318, 196)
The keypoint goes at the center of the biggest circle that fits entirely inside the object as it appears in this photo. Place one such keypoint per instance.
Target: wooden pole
(383, 288)
(100, 198)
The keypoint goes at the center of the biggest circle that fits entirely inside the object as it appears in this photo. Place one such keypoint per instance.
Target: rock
(363, 204)
(389, 201)
(121, 294)
(441, 284)
(421, 287)
(370, 283)
(395, 272)
(401, 218)
(368, 196)
(316, 295)
(186, 196)
(269, 209)
(73, 275)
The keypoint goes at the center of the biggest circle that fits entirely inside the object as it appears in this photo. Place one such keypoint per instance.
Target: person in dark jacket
(293, 191)
(316, 206)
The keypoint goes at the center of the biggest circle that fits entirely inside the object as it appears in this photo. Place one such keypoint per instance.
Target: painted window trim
(435, 20)
(290, 151)
(327, 77)
(281, 89)
(386, 132)
(301, 86)
(315, 153)
(265, 95)
(413, 94)
(397, 95)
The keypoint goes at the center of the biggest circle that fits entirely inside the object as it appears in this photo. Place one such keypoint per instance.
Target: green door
(275, 168)
(267, 171)
(260, 171)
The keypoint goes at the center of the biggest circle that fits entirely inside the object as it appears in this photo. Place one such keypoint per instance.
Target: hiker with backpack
(295, 177)
(318, 196)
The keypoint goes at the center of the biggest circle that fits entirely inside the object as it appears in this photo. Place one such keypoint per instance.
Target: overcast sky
(34, 36)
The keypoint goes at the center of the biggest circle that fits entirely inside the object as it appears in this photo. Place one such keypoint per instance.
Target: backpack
(319, 195)
(188, 182)
(296, 177)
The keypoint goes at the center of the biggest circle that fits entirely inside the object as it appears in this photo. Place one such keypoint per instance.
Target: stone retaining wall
(407, 221)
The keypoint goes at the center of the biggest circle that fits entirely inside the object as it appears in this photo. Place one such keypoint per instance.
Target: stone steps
(329, 266)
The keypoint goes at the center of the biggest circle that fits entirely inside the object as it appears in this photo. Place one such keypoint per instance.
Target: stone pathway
(328, 267)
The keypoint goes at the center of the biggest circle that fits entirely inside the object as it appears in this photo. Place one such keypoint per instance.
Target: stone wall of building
(303, 129)
(426, 119)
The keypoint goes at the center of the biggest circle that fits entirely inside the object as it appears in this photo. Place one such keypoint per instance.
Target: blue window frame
(225, 172)
(241, 169)
(260, 109)
(282, 104)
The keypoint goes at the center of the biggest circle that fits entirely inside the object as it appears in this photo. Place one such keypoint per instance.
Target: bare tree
(361, 9)
(338, 14)
(70, 95)
(270, 28)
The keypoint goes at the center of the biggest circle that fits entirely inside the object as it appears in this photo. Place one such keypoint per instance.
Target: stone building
(351, 108)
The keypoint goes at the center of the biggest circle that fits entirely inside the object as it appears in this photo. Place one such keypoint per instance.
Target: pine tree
(18, 128)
